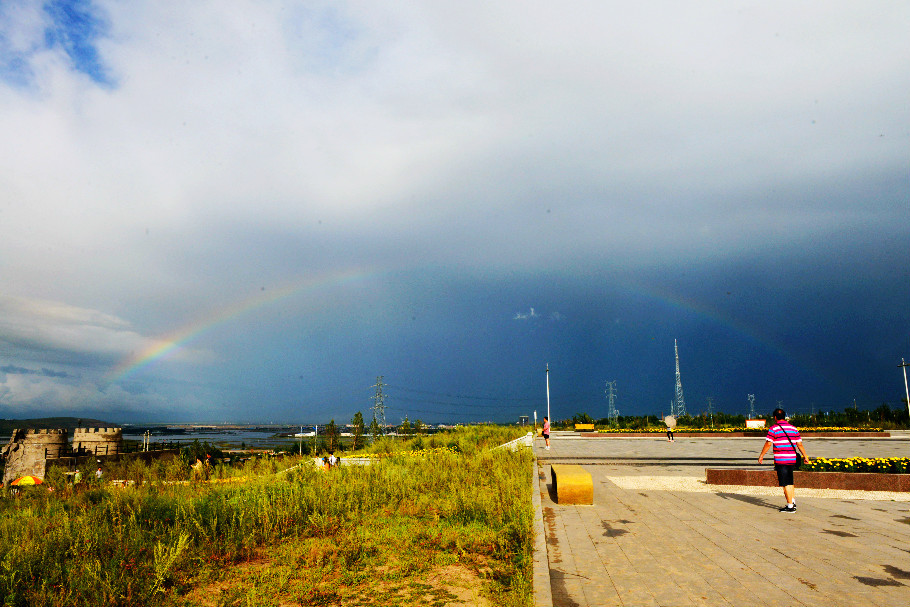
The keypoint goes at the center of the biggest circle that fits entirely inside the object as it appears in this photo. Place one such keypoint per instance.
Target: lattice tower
(379, 404)
(751, 406)
(680, 401)
(610, 391)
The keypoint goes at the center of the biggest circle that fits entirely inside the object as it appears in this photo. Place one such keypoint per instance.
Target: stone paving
(658, 536)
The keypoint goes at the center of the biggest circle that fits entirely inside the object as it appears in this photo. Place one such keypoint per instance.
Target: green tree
(419, 427)
(405, 427)
(582, 418)
(357, 423)
(331, 436)
(375, 430)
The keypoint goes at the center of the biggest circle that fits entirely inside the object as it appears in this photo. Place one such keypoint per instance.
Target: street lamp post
(906, 391)
(548, 393)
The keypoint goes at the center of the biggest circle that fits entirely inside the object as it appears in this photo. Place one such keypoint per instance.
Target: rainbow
(674, 300)
(171, 344)
(163, 347)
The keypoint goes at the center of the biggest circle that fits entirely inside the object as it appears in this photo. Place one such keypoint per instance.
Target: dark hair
(779, 414)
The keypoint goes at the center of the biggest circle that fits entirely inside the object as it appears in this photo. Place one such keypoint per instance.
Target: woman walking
(546, 431)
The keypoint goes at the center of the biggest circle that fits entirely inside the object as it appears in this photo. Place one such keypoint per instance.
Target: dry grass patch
(307, 572)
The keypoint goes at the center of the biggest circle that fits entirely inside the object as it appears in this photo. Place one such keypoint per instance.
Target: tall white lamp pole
(906, 391)
(548, 393)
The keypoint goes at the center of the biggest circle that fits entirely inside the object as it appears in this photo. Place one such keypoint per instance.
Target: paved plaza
(657, 535)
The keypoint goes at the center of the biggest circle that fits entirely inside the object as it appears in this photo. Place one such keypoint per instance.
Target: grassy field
(436, 521)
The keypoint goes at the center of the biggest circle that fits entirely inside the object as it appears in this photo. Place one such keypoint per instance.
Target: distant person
(197, 469)
(98, 473)
(325, 463)
(333, 461)
(669, 434)
(78, 477)
(785, 439)
(546, 430)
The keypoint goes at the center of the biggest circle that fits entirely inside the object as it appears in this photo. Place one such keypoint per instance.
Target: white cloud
(465, 135)
(35, 330)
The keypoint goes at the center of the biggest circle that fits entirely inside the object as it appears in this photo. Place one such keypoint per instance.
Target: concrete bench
(572, 484)
(588, 427)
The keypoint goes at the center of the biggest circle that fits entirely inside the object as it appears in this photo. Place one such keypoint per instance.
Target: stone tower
(98, 441)
(28, 451)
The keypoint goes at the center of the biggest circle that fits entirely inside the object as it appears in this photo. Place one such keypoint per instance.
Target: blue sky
(249, 211)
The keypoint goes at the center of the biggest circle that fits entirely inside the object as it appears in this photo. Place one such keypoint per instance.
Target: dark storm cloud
(44, 372)
(730, 175)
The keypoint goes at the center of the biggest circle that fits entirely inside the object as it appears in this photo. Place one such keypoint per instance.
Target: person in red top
(546, 431)
(785, 439)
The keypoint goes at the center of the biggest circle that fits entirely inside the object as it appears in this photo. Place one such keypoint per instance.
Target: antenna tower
(680, 401)
(610, 391)
(711, 410)
(378, 404)
(751, 398)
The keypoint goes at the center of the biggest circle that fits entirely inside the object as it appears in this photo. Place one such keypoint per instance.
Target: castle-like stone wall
(28, 451)
(98, 441)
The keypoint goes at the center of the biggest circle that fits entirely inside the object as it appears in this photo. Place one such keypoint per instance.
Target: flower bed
(855, 481)
(732, 430)
(883, 465)
(736, 433)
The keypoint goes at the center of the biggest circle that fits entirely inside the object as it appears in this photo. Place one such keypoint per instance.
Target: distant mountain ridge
(69, 423)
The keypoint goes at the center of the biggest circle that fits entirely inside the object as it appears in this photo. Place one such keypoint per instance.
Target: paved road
(658, 536)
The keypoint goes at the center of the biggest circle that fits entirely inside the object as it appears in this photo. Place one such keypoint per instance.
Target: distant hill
(70, 423)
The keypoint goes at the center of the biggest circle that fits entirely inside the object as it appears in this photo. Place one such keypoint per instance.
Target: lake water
(265, 439)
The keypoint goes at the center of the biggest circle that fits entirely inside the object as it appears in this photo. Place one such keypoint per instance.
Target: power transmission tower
(680, 401)
(378, 404)
(610, 391)
(711, 410)
(751, 398)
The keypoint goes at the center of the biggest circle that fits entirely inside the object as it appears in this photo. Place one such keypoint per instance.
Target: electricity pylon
(610, 391)
(680, 401)
(378, 404)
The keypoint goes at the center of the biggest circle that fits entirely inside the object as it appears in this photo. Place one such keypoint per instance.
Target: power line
(455, 414)
(451, 404)
(473, 397)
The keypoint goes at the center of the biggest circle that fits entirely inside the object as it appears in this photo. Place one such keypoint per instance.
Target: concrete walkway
(658, 536)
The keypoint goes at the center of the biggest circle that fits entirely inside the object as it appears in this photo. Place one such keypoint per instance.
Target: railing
(522, 441)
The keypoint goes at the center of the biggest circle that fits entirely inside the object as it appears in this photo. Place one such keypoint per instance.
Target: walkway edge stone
(543, 595)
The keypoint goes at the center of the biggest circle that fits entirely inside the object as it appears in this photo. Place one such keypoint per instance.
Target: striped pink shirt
(784, 453)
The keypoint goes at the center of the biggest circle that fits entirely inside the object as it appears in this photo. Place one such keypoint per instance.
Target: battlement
(100, 441)
(98, 431)
(39, 437)
(30, 431)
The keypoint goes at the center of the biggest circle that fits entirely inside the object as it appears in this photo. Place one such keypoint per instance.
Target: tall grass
(151, 543)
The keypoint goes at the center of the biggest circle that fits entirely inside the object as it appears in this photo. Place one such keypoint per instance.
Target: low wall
(855, 481)
(759, 433)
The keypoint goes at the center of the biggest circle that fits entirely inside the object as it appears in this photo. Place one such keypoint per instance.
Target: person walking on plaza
(785, 439)
(546, 430)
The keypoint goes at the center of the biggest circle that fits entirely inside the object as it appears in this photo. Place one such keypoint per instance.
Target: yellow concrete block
(579, 427)
(572, 484)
